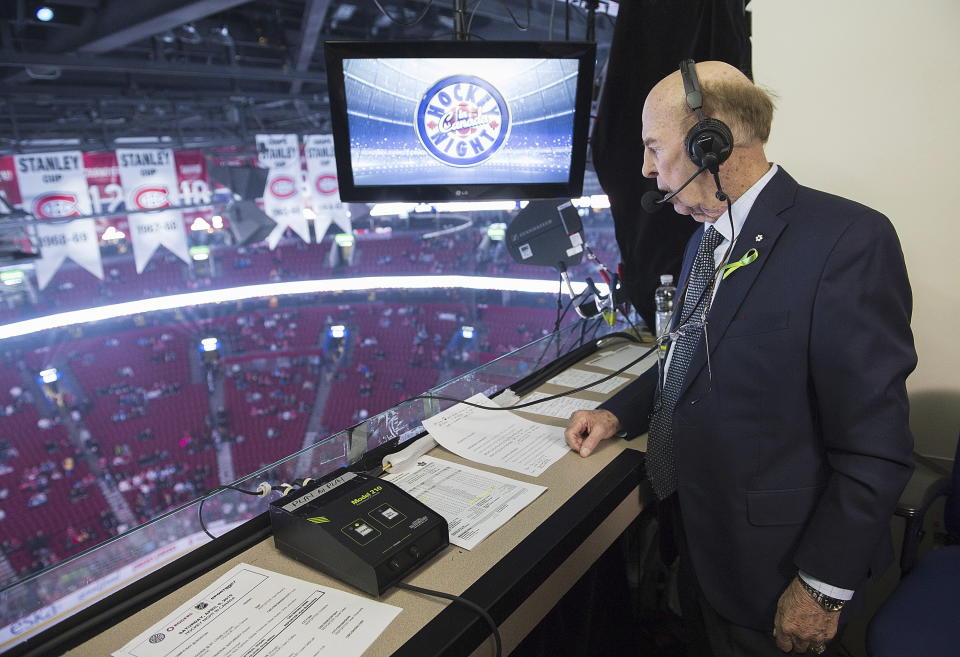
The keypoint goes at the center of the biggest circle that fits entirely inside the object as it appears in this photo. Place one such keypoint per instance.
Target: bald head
(728, 95)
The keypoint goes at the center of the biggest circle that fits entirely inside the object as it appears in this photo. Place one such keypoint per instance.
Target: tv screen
(454, 120)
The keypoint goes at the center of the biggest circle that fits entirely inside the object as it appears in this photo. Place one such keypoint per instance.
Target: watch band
(825, 601)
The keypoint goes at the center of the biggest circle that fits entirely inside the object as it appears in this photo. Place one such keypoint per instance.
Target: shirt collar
(742, 206)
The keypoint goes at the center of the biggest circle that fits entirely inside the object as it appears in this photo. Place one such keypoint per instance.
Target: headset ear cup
(709, 137)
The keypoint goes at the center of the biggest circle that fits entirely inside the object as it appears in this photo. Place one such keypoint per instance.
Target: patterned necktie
(660, 463)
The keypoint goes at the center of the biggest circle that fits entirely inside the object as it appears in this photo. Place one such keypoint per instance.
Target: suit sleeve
(861, 352)
(633, 404)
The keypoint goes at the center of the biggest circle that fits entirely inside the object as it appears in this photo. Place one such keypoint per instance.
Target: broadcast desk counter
(517, 574)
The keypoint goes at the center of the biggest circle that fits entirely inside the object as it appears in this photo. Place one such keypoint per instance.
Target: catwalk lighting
(44, 14)
(266, 290)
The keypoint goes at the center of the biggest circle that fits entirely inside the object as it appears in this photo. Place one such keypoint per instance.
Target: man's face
(664, 158)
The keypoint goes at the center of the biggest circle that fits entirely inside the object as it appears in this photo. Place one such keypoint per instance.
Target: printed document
(473, 502)
(496, 437)
(561, 407)
(252, 612)
(577, 378)
(614, 360)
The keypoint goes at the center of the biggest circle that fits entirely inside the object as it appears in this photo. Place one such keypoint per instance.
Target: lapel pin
(758, 238)
(747, 258)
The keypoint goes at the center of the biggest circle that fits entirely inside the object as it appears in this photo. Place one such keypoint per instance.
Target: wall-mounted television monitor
(459, 120)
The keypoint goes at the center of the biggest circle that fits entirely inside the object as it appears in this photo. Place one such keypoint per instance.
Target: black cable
(549, 397)
(403, 23)
(466, 603)
(522, 28)
(203, 499)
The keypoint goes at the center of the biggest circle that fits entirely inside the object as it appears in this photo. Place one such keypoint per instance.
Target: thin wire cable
(473, 12)
(214, 491)
(545, 399)
(404, 23)
(466, 603)
(522, 28)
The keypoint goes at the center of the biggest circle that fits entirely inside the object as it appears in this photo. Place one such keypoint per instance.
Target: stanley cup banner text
(322, 184)
(149, 181)
(281, 198)
(53, 186)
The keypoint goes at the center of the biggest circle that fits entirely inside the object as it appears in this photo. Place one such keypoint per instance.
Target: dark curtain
(650, 39)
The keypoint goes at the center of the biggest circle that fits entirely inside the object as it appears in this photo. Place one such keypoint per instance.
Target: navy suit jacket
(796, 453)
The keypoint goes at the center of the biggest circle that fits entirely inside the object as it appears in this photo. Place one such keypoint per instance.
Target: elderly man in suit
(778, 436)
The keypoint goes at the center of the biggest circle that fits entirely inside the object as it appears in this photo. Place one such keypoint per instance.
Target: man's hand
(802, 624)
(587, 428)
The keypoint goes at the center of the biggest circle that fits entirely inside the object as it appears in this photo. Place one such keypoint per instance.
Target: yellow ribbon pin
(747, 258)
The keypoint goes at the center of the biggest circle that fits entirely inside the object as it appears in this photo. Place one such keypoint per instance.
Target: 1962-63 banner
(149, 180)
(53, 186)
(281, 199)
(322, 184)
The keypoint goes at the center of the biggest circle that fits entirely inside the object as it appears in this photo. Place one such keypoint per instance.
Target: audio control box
(361, 530)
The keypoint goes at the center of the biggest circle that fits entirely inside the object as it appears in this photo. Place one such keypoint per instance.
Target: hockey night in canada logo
(462, 120)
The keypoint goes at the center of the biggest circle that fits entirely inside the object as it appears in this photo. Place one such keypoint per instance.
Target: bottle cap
(666, 279)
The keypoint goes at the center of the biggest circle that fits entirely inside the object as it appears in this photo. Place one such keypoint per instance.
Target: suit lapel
(763, 220)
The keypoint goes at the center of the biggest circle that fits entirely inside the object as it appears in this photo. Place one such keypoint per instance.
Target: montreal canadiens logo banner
(322, 184)
(54, 186)
(462, 120)
(149, 180)
(281, 198)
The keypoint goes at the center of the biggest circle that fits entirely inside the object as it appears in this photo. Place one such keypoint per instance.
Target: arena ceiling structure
(98, 74)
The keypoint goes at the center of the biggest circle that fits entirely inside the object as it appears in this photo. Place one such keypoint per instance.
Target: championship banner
(54, 186)
(281, 198)
(149, 181)
(322, 184)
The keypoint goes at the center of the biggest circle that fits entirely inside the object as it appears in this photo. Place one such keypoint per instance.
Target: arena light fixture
(44, 14)
(12, 277)
(112, 233)
(497, 232)
(209, 344)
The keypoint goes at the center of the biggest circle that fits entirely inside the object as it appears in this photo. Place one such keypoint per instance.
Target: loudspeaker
(709, 142)
(546, 233)
(246, 182)
(248, 223)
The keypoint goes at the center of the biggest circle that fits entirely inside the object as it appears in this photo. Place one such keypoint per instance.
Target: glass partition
(51, 595)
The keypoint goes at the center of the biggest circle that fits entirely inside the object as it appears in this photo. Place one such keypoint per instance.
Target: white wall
(869, 94)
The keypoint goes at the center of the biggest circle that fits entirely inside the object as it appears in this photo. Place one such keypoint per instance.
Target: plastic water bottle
(663, 301)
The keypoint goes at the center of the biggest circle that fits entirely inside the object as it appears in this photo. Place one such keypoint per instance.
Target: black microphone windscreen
(651, 202)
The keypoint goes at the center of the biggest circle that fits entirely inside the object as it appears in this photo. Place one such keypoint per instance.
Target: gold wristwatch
(825, 601)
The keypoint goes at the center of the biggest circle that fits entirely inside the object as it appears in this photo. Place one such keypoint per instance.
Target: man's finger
(589, 443)
(574, 432)
(783, 641)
